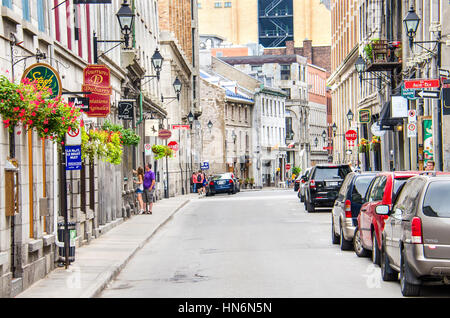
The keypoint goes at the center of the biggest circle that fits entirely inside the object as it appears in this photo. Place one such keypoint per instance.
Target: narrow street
(252, 244)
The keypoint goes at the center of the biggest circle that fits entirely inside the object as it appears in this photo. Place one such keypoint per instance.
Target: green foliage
(296, 170)
(128, 136)
(101, 144)
(162, 151)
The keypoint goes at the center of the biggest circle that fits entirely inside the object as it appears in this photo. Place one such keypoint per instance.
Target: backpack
(199, 178)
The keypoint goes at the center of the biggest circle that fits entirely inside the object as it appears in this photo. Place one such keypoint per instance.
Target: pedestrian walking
(149, 188)
(194, 181)
(140, 188)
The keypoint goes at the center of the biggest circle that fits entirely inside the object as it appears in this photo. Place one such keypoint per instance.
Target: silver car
(415, 238)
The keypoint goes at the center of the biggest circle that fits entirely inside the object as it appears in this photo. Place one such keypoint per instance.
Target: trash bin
(72, 235)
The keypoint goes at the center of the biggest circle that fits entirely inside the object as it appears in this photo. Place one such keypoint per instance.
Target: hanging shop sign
(446, 101)
(82, 103)
(164, 134)
(126, 109)
(376, 130)
(151, 127)
(97, 81)
(399, 107)
(92, 1)
(46, 77)
(365, 116)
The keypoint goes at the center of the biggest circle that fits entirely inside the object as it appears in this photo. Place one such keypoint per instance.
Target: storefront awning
(386, 121)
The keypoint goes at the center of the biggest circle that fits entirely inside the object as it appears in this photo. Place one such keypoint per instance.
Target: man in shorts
(149, 188)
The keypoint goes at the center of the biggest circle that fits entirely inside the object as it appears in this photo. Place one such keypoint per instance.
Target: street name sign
(428, 94)
(409, 93)
(422, 83)
(181, 127)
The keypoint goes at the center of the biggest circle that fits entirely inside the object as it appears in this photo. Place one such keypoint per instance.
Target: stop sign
(288, 166)
(173, 145)
(351, 135)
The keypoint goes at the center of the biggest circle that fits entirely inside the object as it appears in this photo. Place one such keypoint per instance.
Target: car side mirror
(382, 210)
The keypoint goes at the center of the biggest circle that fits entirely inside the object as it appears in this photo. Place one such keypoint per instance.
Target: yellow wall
(238, 24)
(312, 21)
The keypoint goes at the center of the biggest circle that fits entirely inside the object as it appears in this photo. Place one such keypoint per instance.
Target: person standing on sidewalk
(194, 181)
(204, 182)
(149, 188)
(199, 182)
(140, 188)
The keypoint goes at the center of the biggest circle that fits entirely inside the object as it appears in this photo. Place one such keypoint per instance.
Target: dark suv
(416, 239)
(323, 185)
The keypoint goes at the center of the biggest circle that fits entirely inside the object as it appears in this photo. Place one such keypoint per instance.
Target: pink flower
(33, 114)
(19, 132)
(6, 121)
(16, 109)
(46, 130)
(45, 121)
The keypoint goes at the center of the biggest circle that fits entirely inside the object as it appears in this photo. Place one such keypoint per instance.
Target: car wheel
(334, 237)
(375, 250)
(343, 243)
(407, 288)
(309, 206)
(357, 245)
(387, 273)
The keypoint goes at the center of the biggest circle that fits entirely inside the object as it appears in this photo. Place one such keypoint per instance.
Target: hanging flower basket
(102, 144)
(363, 146)
(26, 107)
(162, 151)
(375, 143)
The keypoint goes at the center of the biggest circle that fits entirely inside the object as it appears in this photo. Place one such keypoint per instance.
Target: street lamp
(210, 125)
(190, 118)
(360, 65)
(350, 116)
(177, 85)
(234, 136)
(157, 61)
(334, 128)
(126, 21)
(316, 142)
(411, 22)
(324, 135)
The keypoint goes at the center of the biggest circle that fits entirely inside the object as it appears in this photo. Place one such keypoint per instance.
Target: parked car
(382, 191)
(222, 183)
(415, 239)
(344, 216)
(302, 183)
(323, 185)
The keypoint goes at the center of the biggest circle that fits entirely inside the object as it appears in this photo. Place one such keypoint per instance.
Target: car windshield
(327, 173)
(437, 200)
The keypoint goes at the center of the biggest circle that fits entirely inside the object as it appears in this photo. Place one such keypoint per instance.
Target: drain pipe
(55, 196)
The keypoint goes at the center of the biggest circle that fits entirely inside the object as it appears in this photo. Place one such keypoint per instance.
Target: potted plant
(162, 151)
(252, 182)
(246, 182)
(375, 143)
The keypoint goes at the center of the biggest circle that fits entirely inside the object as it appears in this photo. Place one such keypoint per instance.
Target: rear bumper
(423, 266)
(323, 202)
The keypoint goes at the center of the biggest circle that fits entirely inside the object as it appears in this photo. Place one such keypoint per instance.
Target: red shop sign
(97, 80)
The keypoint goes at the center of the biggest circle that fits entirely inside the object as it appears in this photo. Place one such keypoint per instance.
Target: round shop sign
(164, 134)
(46, 77)
(376, 130)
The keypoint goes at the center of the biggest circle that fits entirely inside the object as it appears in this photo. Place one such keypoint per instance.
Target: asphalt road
(253, 245)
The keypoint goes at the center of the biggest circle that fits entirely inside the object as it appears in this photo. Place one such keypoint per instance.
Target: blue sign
(204, 165)
(408, 93)
(73, 157)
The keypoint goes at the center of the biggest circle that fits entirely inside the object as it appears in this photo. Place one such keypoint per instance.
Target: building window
(40, 15)
(288, 92)
(7, 3)
(227, 5)
(26, 10)
(217, 4)
(285, 72)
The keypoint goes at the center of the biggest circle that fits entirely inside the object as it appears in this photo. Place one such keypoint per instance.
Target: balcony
(383, 56)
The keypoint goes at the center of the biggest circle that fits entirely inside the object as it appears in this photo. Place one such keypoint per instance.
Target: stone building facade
(96, 200)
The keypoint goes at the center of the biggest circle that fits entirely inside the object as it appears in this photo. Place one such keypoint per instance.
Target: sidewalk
(99, 262)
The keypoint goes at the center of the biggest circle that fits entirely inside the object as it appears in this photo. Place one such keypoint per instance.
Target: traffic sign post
(428, 94)
(204, 165)
(412, 130)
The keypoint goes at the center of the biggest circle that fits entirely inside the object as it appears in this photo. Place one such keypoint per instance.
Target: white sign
(376, 130)
(412, 130)
(399, 107)
(151, 127)
(412, 116)
(73, 137)
(148, 149)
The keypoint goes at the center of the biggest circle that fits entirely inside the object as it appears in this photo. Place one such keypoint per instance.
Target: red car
(382, 190)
